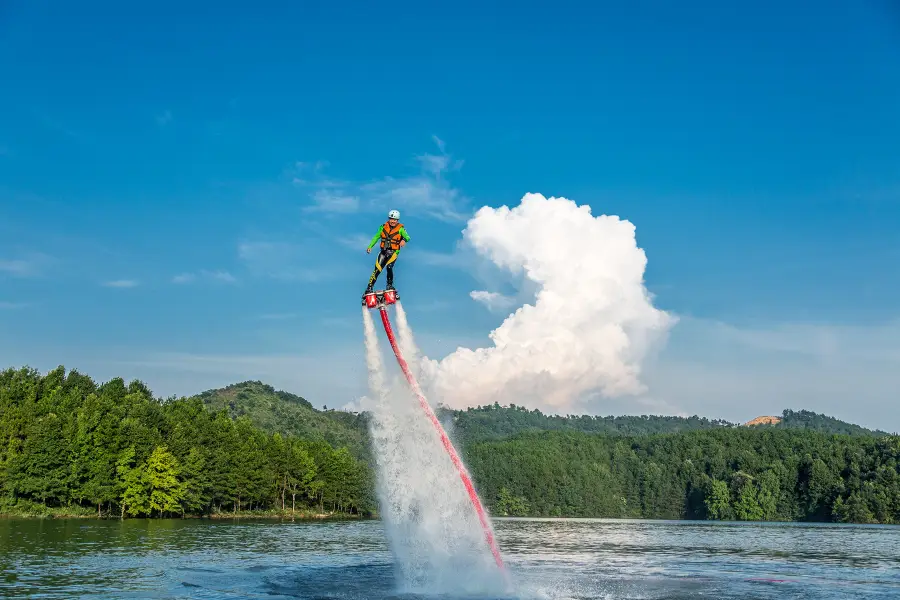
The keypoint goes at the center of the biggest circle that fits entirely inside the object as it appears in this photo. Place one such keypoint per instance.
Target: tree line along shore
(72, 447)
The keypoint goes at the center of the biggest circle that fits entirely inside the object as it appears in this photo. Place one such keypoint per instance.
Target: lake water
(548, 559)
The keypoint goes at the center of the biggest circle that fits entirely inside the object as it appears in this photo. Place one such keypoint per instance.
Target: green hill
(494, 422)
(484, 423)
(276, 411)
(805, 419)
(279, 411)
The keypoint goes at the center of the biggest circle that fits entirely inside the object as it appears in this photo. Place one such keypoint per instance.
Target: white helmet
(394, 214)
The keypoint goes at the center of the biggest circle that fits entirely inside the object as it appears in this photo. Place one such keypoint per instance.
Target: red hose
(448, 446)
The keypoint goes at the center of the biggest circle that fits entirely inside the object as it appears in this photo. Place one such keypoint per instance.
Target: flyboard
(381, 299)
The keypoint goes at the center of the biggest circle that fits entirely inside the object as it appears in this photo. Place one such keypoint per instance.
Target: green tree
(132, 485)
(161, 477)
(510, 505)
(853, 510)
(42, 469)
(746, 501)
(301, 476)
(718, 501)
(197, 487)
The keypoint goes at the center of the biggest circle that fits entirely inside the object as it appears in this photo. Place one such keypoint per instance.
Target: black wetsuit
(384, 261)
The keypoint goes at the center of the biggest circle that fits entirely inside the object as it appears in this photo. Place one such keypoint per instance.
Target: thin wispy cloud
(313, 170)
(438, 164)
(427, 192)
(12, 305)
(164, 119)
(285, 261)
(494, 301)
(825, 342)
(356, 241)
(219, 275)
(223, 276)
(121, 283)
(330, 201)
(738, 372)
(18, 267)
(32, 265)
(436, 259)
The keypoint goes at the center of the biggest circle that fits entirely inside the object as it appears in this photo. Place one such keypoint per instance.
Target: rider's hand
(368, 250)
(402, 243)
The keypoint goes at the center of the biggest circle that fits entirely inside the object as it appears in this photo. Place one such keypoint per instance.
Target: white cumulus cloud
(592, 323)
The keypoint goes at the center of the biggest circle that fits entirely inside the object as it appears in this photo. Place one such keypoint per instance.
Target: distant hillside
(493, 422)
(286, 413)
(805, 419)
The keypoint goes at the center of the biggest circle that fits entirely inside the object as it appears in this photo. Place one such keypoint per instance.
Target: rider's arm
(375, 239)
(403, 234)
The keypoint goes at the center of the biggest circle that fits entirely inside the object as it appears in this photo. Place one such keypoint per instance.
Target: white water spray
(433, 531)
(406, 340)
(373, 357)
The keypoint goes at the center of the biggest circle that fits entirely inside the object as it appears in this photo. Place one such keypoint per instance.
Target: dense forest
(71, 446)
(747, 474)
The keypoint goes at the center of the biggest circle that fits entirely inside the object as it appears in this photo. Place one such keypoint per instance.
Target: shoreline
(59, 514)
(309, 516)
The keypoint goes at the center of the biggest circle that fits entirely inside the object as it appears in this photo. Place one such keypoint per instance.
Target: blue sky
(185, 194)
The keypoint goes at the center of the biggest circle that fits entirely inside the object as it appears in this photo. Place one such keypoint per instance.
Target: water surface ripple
(549, 559)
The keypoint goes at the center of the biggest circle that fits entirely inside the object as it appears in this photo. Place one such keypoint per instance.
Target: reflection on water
(549, 559)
